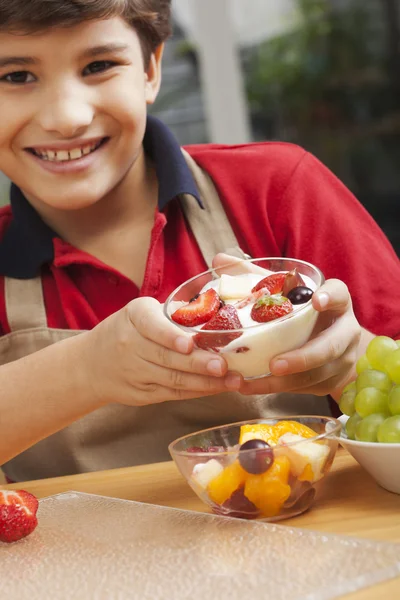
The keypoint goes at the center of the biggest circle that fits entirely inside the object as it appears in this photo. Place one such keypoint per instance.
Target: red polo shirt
(280, 200)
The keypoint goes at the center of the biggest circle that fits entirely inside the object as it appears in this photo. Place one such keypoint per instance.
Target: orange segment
(270, 490)
(261, 431)
(272, 433)
(296, 428)
(307, 474)
(221, 488)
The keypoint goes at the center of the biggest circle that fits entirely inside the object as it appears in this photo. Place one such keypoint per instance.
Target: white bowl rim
(307, 305)
(375, 445)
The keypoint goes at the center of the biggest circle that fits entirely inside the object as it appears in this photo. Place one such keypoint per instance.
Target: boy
(103, 225)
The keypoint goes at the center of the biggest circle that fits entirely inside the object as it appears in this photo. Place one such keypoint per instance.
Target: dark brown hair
(150, 18)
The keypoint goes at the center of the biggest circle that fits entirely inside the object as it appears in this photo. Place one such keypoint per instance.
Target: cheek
(125, 103)
(15, 114)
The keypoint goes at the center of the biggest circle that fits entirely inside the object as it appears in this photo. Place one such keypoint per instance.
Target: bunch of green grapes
(372, 401)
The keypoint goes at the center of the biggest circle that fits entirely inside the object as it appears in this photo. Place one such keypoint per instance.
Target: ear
(153, 75)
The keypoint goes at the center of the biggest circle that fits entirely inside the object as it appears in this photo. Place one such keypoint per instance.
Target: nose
(67, 112)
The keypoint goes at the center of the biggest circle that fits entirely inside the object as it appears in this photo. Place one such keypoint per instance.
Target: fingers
(189, 385)
(199, 361)
(146, 314)
(320, 381)
(332, 296)
(232, 265)
(175, 379)
(328, 346)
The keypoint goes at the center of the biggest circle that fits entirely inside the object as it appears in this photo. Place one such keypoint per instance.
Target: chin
(73, 199)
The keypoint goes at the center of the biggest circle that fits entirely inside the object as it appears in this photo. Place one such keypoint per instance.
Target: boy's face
(73, 110)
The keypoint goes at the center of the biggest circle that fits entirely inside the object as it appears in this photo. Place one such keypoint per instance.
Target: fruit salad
(372, 401)
(250, 317)
(269, 474)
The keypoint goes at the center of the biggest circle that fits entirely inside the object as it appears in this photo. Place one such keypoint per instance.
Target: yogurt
(250, 354)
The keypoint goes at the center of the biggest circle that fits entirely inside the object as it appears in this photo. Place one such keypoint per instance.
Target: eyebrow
(24, 61)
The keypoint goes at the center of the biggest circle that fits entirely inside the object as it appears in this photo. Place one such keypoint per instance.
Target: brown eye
(99, 66)
(19, 77)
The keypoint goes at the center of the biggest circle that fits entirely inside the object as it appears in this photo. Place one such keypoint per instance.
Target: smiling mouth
(62, 156)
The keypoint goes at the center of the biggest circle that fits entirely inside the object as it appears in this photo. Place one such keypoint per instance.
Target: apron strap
(17, 291)
(213, 234)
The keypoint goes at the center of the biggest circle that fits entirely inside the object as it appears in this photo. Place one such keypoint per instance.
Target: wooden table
(348, 503)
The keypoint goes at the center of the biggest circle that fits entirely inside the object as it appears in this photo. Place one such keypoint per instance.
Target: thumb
(221, 259)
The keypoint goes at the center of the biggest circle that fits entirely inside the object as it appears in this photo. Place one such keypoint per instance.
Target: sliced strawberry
(17, 515)
(273, 283)
(270, 308)
(226, 319)
(292, 279)
(199, 310)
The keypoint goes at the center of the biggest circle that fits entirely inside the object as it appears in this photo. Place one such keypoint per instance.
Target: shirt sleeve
(319, 220)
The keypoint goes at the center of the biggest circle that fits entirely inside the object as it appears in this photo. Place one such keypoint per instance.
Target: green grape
(346, 403)
(367, 429)
(351, 426)
(378, 349)
(362, 364)
(369, 401)
(375, 379)
(392, 366)
(394, 400)
(389, 431)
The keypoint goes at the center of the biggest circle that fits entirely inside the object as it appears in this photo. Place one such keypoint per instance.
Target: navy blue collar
(28, 242)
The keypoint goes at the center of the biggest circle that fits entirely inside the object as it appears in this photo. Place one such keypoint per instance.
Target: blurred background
(324, 74)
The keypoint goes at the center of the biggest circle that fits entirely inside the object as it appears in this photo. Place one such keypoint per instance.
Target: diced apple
(203, 473)
(310, 454)
(234, 287)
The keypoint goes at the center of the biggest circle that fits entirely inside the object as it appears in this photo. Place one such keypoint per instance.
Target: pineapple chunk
(203, 473)
(307, 454)
(235, 287)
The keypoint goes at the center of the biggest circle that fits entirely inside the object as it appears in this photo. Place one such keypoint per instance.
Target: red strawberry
(292, 279)
(17, 515)
(273, 283)
(199, 310)
(269, 308)
(226, 319)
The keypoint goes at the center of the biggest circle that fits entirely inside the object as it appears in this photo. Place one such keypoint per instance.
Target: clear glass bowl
(249, 350)
(212, 463)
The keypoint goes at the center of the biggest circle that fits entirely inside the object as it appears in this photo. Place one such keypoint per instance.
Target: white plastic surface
(95, 548)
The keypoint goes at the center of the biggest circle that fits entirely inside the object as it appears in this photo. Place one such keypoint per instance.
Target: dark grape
(300, 295)
(238, 506)
(256, 456)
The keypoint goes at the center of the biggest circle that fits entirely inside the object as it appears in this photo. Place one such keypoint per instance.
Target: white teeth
(66, 155)
(77, 153)
(62, 155)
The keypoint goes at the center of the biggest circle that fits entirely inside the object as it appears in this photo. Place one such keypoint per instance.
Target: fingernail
(323, 299)
(182, 344)
(280, 367)
(233, 381)
(214, 367)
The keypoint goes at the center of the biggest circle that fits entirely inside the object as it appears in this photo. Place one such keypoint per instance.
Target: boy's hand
(138, 357)
(327, 362)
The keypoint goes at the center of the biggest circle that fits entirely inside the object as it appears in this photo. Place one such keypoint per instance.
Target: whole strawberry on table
(17, 515)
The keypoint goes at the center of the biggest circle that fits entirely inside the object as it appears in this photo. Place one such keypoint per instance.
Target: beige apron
(117, 435)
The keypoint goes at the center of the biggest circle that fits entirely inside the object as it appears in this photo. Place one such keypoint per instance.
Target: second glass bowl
(235, 482)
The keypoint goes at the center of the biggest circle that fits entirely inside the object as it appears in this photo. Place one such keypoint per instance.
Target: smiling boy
(108, 216)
